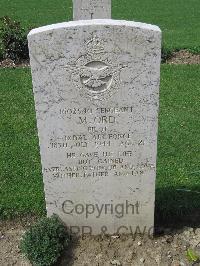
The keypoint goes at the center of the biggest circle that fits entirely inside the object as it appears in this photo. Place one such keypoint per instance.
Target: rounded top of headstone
(103, 22)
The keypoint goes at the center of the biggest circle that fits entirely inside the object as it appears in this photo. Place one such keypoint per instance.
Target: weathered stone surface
(91, 9)
(96, 89)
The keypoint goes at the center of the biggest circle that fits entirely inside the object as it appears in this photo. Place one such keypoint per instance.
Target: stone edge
(108, 22)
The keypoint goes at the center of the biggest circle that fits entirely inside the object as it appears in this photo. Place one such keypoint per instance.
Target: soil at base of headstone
(8, 63)
(184, 57)
(168, 249)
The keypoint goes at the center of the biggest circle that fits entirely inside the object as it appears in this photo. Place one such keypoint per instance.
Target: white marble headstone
(96, 89)
(91, 9)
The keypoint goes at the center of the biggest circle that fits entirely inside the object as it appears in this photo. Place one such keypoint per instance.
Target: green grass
(179, 142)
(21, 189)
(178, 19)
(178, 150)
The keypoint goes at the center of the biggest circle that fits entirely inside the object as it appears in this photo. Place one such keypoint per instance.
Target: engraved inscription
(82, 164)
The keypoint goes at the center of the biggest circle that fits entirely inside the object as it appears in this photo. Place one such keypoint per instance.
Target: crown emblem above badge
(95, 45)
